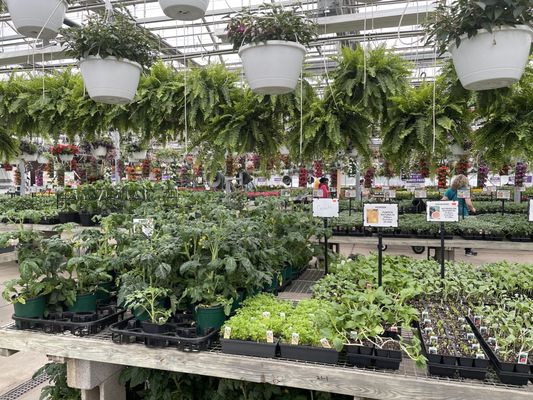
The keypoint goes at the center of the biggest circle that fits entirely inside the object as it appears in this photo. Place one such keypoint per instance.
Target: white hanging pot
(138, 155)
(184, 10)
(99, 151)
(272, 67)
(492, 60)
(42, 160)
(32, 16)
(66, 157)
(29, 157)
(110, 80)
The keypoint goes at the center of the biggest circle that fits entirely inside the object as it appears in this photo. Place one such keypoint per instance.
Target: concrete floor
(20, 367)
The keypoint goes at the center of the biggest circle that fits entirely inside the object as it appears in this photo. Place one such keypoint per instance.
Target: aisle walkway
(19, 368)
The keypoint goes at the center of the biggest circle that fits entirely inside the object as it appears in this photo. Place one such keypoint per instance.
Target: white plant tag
(483, 329)
(227, 332)
(428, 330)
(427, 321)
(282, 315)
(470, 336)
(475, 346)
(295, 338)
(522, 357)
(325, 343)
(432, 350)
(477, 320)
(480, 356)
(270, 336)
(433, 339)
(425, 314)
(266, 314)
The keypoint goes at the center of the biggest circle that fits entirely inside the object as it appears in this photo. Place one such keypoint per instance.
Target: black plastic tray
(449, 367)
(363, 356)
(248, 348)
(79, 324)
(182, 335)
(309, 353)
(508, 377)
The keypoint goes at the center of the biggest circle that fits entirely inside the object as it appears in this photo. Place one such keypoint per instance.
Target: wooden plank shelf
(408, 383)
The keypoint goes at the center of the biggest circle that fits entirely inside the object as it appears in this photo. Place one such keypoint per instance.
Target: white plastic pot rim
(502, 28)
(112, 58)
(273, 42)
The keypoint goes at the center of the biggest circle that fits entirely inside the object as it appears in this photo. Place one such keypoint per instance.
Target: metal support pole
(442, 266)
(22, 173)
(503, 207)
(350, 206)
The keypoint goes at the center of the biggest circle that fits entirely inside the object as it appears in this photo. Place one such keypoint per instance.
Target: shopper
(324, 187)
(460, 182)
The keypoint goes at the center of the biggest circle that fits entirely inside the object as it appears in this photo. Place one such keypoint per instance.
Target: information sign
(443, 211)
(421, 194)
(350, 193)
(326, 208)
(381, 215)
(503, 195)
(318, 193)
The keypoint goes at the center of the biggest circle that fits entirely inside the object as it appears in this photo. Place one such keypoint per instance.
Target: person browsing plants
(324, 187)
(460, 182)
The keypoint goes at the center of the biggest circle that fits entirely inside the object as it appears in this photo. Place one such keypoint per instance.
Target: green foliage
(58, 390)
(270, 22)
(151, 300)
(118, 37)
(466, 17)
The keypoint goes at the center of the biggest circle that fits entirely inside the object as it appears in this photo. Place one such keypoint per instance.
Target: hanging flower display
(302, 177)
(146, 168)
(462, 166)
(442, 176)
(369, 177)
(520, 174)
(317, 169)
(482, 176)
(423, 168)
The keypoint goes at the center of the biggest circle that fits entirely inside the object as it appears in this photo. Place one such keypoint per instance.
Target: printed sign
(530, 210)
(463, 193)
(145, 225)
(390, 194)
(381, 215)
(496, 180)
(318, 193)
(421, 194)
(350, 193)
(503, 195)
(443, 211)
(326, 208)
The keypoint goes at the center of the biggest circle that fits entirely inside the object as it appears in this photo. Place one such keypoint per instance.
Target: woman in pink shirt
(324, 187)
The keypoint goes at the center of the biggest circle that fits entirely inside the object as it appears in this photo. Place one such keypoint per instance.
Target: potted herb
(113, 51)
(151, 300)
(100, 147)
(184, 10)
(40, 19)
(65, 152)
(89, 274)
(489, 40)
(271, 42)
(136, 151)
(29, 150)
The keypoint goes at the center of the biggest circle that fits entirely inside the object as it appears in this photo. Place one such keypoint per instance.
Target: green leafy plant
(466, 17)
(270, 22)
(151, 300)
(28, 147)
(59, 389)
(118, 37)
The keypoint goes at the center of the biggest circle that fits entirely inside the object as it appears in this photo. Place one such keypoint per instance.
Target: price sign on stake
(350, 194)
(503, 195)
(421, 194)
(443, 211)
(381, 215)
(326, 208)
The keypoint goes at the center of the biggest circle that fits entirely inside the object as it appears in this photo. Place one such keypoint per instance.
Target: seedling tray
(309, 353)
(509, 373)
(364, 356)
(248, 348)
(449, 366)
(181, 334)
(79, 324)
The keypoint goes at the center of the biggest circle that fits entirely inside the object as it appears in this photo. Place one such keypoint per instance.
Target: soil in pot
(85, 303)
(34, 308)
(209, 319)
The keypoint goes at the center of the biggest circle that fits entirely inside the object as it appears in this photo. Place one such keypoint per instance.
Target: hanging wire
(301, 112)
(185, 32)
(434, 99)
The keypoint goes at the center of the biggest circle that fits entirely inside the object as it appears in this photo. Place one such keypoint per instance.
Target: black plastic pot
(86, 219)
(149, 327)
(66, 217)
(247, 348)
(309, 353)
(358, 349)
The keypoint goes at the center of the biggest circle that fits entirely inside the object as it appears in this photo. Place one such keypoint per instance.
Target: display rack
(97, 354)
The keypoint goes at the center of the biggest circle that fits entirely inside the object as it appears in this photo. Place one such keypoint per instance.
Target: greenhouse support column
(325, 246)
(517, 195)
(357, 182)
(22, 173)
(442, 265)
(380, 258)
(97, 381)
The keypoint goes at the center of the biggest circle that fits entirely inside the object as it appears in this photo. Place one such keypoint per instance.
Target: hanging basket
(110, 80)
(138, 155)
(99, 151)
(184, 10)
(32, 16)
(66, 157)
(29, 157)
(272, 67)
(492, 60)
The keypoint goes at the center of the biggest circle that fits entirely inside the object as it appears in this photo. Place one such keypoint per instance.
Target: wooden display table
(94, 363)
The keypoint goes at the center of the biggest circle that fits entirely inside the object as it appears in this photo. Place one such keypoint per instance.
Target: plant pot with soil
(37, 18)
(271, 42)
(110, 65)
(489, 41)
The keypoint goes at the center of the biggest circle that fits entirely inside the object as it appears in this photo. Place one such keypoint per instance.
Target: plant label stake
(326, 208)
(441, 212)
(503, 195)
(380, 216)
